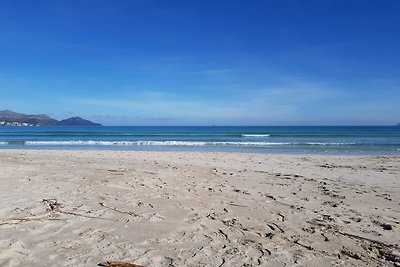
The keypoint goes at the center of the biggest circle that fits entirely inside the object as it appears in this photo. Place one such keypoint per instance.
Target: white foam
(255, 135)
(171, 143)
(143, 143)
(328, 144)
(3, 143)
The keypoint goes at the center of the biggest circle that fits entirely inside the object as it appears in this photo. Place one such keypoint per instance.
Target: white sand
(80, 208)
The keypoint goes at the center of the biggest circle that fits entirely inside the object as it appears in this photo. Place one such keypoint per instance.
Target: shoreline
(189, 150)
(162, 208)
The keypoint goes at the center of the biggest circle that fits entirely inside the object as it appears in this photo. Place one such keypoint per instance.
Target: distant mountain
(9, 116)
(78, 121)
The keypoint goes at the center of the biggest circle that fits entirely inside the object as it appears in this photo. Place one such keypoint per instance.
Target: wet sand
(81, 208)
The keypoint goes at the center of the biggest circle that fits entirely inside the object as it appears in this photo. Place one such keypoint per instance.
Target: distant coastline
(14, 123)
(11, 118)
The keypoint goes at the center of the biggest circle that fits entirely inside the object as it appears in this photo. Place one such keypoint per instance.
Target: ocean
(353, 140)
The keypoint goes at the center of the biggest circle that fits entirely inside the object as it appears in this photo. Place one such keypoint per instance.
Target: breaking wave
(255, 135)
(172, 143)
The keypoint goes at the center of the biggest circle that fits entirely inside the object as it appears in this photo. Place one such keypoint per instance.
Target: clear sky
(233, 62)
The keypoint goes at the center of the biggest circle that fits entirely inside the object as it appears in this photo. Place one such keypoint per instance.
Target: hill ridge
(9, 117)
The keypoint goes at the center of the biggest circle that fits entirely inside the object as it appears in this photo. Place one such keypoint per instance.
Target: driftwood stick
(118, 264)
(119, 211)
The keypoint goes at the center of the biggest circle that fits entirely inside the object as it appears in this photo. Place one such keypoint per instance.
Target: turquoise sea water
(361, 140)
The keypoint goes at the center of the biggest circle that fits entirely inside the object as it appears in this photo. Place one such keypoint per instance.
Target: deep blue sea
(360, 140)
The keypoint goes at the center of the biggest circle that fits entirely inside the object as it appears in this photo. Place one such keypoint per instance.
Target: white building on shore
(22, 124)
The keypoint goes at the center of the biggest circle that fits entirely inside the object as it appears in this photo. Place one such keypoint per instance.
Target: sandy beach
(82, 208)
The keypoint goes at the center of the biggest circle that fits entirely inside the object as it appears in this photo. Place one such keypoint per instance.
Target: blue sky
(250, 62)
